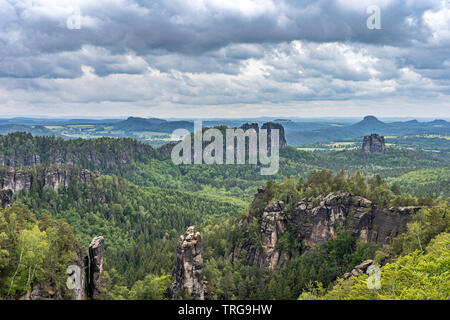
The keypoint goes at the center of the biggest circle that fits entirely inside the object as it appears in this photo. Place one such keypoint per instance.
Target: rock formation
(86, 153)
(316, 224)
(88, 278)
(22, 179)
(272, 225)
(269, 126)
(5, 198)
(96, 257)
(166, 150)
(43, 291)
(364, 219)
(363, 267)
(373, 143)
(189, 268)
(248, 126)
(25, 161)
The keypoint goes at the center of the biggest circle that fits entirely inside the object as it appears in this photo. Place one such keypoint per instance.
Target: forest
(141, 203)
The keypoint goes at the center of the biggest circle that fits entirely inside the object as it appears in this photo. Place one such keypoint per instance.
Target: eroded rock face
(373, 143)
(312, 225)
(82, 293)
(49, 290)
(31, 160)
(166, 150)
(22, 179)
(269, 126)
(357, 214)
(5, 198)
(43, 291)
(248, 126)
(189, 268)
(96, 257)
(273, 225)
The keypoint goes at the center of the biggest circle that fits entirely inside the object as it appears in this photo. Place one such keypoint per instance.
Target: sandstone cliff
(269, 126)
(96, 257)
(14, 180)
(189, 267)
(5, 198)
(373, 143)
(316, 224)
(21, 149)
(88, 279)
(166, 150)
(14, 161)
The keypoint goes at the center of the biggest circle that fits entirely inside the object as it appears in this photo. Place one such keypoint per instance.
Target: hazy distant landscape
(319, 135)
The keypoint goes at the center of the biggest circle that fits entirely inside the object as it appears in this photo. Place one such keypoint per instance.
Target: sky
(224, 58)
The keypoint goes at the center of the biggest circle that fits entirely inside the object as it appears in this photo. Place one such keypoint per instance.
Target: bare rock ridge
(31, 160)
(316, 224)
(166, 149)
(363, 267)
(273, 225)
(96, 258)
(189, 267)
(5, 198)
(95, 154)
(269, 126)
(90, 282)
(14, 180)
(373, 143)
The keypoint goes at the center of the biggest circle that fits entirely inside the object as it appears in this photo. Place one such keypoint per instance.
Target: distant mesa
(373, 143)
(369, 123)
(152, 124)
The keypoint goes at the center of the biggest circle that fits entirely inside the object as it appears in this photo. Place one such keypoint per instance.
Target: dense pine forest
(68, 191)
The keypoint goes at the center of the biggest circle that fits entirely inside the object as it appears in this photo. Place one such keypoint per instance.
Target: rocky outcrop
(269, 126)
(311, 225)
(81, 290)
(340, 209)
(5, 198)
(189, 267)
(31, 160)
(273, 223)
(362, 267)
(96, 257)
(166, 150)
(373, 143)
(22, 179)
(15, 180)
(21, 149)
(86, 274)
(248, 126)
(44, 290)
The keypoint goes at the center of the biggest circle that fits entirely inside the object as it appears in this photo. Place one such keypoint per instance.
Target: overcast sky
(224, 58)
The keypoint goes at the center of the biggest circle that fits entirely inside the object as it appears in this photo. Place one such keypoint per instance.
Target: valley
(129, 192)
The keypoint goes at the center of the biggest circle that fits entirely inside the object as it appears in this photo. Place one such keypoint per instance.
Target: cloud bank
(223, 58)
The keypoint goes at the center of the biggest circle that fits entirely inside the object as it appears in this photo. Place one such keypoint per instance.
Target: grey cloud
(209, 53)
